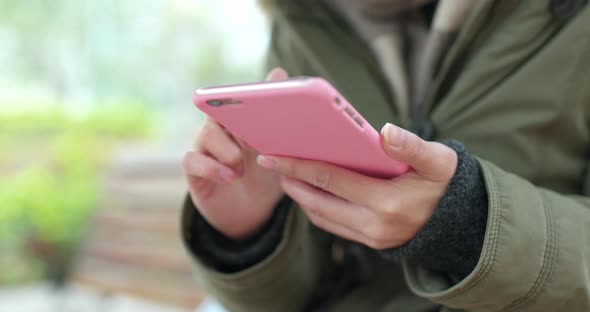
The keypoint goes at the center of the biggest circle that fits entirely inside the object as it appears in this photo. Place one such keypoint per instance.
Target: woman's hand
(233, 193)
(378, 213)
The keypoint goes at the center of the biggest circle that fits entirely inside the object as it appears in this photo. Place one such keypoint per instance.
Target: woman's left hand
(379, 213)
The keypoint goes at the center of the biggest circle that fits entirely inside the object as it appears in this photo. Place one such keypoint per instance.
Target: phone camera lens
(215, 103)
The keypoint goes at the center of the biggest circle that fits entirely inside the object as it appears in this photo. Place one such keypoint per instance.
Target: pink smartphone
(302, 117)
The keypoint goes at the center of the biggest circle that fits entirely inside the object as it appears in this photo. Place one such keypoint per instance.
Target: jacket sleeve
(536, 253)
(284, 281)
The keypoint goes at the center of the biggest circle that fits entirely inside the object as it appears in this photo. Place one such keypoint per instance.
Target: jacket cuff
(283, 281)
(226, 255)
(451, 242)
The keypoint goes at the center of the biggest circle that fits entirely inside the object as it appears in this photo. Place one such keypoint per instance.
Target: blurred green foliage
(50, 186)
(104, 52)
(107, 120)
(51, 202)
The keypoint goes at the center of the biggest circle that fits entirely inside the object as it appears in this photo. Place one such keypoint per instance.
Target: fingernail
(266, 162)
(277, 73)
(227, 174)
(394, 136)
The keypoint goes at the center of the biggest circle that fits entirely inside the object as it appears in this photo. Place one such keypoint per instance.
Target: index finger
(344, 183)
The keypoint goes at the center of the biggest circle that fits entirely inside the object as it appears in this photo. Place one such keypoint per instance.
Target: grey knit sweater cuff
(452, 240)
(224, 254)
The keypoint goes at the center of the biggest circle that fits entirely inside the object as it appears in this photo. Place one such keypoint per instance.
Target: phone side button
(349, 111)
(359, 121)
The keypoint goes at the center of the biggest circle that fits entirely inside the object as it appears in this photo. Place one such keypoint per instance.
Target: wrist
(242, 225)
(225, 254)
(238, 230)
(452, 239)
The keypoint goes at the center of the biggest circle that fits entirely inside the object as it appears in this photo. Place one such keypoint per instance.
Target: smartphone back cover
(311, 121)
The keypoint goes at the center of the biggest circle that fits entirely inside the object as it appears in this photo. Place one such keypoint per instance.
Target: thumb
(277, 74)
(430, 159)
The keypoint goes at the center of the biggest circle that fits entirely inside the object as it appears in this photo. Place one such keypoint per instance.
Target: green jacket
(515, 90)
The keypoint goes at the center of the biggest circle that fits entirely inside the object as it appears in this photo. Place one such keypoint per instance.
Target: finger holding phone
(233, 193)
(380, 213)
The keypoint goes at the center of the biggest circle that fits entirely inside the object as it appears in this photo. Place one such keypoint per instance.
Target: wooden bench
(133, 244)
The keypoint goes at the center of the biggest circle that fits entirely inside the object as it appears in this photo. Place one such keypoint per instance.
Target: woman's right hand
(230, 190)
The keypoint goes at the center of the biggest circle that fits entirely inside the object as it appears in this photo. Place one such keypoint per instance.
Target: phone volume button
(359, 121)
(349, 111)
(354, 116)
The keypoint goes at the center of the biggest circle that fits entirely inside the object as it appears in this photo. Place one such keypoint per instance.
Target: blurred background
(95, 116)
